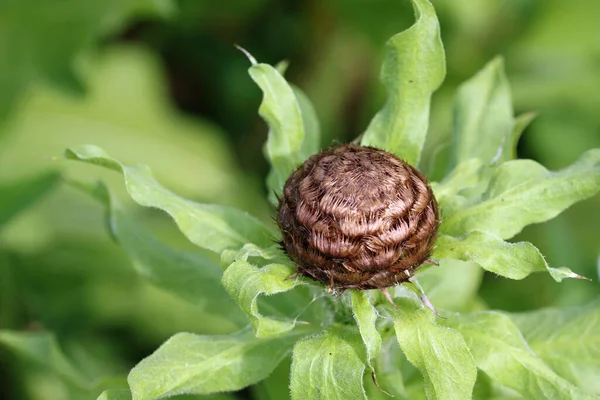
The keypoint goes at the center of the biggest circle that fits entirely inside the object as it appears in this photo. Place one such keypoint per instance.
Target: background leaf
(43, 349)
(483, 117)
(192, 276)
(511, 260)
(439, 353)
(19, 195)
(329, 366)
(201, 364)
(568, 340)
(501, 352)
(523, 192)
(413, 69)
(67, 29)
(212, 227)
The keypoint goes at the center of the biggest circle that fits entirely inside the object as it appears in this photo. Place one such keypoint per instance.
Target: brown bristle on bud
(357, 217)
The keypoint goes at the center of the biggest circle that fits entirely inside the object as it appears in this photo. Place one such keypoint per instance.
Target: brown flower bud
(357, 217)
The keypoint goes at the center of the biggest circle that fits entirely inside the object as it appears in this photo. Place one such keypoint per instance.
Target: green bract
(340, 347)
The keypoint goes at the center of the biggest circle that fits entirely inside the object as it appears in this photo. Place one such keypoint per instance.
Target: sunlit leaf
(511, 260)
(328, 366)
(413, 69)
(483, 117)
(286, 111)
(18, 195)
(201, 364)
(568, 340)
(245, 283)
(439, 353)
(523, 192)
(209, 226)
(501, 352)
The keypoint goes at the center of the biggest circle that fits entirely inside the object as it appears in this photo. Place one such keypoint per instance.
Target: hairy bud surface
(357, 217)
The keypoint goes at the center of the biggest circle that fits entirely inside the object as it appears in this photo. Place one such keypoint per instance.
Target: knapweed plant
(358, 218)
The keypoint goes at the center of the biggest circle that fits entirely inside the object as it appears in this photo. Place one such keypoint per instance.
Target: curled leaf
(213, 227)
(414, 67)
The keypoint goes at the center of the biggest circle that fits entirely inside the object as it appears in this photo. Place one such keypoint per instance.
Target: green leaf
(202, 364)
(328, 366)
(502, 353)
(511, 260)
(18, 195)
(191, 276)
(115, 394)
(414, 67)
(43, 349)
(281, 110)
(453, 285)
(523, 192)
(438, 352)
(465, 175)
(209, 226)
(483, 117)
(245, 283)
(568, 340)
(312, 129)
(520, 124)
(365, 316)
(46, 46)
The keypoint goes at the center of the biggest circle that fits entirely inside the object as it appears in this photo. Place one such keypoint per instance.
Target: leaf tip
(247, 53)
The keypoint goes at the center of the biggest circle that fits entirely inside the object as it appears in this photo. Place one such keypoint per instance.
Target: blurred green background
(159, 82)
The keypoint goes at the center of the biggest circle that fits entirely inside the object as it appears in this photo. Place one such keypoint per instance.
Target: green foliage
(338, 346)
(19, 195)
(189, 363)
(317, 371)
(212, 227)
(413, 69)
(439, 353)
(68, 28)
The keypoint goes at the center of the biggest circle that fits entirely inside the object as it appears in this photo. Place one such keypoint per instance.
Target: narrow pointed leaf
(328, 366)
(209, 226)
(245, 282)
(483, 117)
(502, 353)
(312, 129)
(414, 67)
(17, 196)
(203, 364)
(511, 260)
(522, 192)
(43, 349)
(365, 316)
(281, 110)
(568, 340)
(440, 354)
